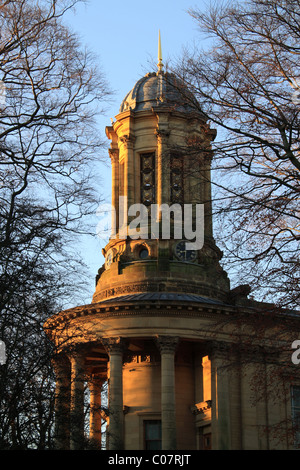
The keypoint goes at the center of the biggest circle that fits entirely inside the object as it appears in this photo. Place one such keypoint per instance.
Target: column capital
(114, 155)
(167, 344)
(95, 380)
(60, 362)
(127, 140)
(76, 359)
(114, 344)
(256, 353)
(219, 349)
(77, 350)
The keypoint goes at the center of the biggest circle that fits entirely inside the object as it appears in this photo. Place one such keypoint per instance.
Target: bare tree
(247, 85)
(52, 92)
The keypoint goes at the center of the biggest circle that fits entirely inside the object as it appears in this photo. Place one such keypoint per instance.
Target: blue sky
(124, 37)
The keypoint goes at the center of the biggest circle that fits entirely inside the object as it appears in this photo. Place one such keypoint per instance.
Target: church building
(189, 362)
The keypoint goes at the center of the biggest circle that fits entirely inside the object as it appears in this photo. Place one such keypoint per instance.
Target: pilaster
(114, 157)
(129, 173)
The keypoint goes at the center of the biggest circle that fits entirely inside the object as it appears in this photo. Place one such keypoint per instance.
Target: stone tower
(150, 331)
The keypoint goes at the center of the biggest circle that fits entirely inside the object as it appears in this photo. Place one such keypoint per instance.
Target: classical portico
(164, 331)
(73, 373)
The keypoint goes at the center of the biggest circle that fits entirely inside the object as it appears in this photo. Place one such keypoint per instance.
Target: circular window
(144, 253)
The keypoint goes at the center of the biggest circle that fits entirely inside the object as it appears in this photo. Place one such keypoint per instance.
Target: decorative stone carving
(147, 164)
(176, 179)
(113, 344)
(167, 344)
(127, 140)
(114, 155)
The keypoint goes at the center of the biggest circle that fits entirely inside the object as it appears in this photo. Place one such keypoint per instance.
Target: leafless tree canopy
(51, 92)
(248, 85)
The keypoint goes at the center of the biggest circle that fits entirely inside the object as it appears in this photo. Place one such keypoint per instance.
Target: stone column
(77, 402)
(95, 385)
(234, 378)
(61, 367)
(115, 347)
(254, 398)
(167, 346)
(220, 394)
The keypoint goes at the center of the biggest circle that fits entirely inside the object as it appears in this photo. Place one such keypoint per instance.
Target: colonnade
(71, 376)
(69, 406)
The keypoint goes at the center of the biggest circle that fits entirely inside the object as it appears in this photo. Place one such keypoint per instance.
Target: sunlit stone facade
(186, 365)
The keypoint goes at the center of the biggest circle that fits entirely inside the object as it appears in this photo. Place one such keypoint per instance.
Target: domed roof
(157, 90)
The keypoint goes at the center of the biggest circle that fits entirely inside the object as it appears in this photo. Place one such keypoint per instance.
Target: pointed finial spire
(160, 65)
